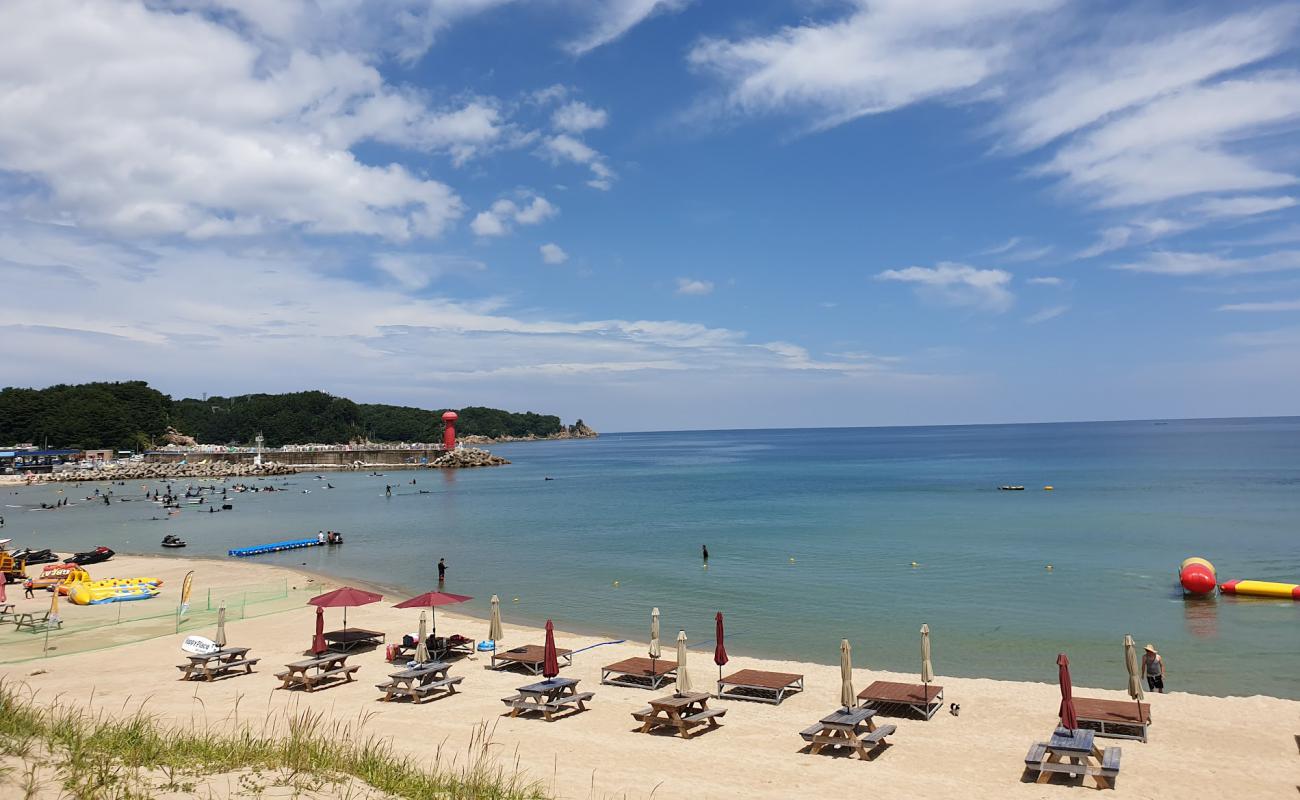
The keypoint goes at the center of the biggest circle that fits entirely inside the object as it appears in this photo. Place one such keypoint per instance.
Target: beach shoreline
(598, 753)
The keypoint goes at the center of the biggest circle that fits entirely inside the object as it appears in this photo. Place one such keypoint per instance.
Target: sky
(660, 214)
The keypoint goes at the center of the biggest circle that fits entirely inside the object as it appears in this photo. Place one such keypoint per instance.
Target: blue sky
(660, 214)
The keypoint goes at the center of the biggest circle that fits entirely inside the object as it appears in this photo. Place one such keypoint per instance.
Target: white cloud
(564, 147)
(613, 18)
(1275, 305)
(578, 117)
(532, 209)
(1046, 280)
(1167, 262)
(958, 285)
(1134, 233)
(402, 28)
(1177, 146)
(1129, 68)
(882, 56)
(413, 271)
(552, 253)
(298, 315)
(693, 287)
(1243, 206)
(150, 122)
(1044, 315)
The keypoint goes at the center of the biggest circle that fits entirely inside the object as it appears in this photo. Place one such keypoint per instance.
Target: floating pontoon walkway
(274, 547)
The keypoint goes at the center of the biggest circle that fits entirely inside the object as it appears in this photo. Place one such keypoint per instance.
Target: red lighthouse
(449, 433)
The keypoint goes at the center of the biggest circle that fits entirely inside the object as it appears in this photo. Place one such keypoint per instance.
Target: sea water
(815, 535)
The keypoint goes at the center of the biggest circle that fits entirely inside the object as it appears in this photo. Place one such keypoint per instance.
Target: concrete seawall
(317, 458)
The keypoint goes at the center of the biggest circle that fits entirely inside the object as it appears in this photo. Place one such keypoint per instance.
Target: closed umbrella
(422, 649)
(719, 650)
(1134, 672)
(846, 675)
(683, 677)
(318, 645)
(654, 636)
(550, 662)
(927, 669)
(220, 638)
(1069, 720)
(54, 603)
(494, 623)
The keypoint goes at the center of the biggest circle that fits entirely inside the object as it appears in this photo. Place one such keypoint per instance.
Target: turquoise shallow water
(853, 508)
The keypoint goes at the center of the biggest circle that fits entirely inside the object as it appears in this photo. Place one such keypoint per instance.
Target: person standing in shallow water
(704, 549)
(1154, 667)
(442, 570)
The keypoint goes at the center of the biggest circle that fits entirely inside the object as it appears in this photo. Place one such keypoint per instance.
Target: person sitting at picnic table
(1154, 667)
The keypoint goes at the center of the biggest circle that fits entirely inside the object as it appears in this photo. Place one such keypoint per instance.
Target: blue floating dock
(274, 547)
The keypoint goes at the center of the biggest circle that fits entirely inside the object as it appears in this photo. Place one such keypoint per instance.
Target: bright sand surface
(1240, 747)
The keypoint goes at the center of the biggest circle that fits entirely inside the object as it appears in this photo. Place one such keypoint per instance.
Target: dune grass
(135, 755)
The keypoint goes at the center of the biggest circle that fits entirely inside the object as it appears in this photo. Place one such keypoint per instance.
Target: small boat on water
(172, 541)
(1011, 488)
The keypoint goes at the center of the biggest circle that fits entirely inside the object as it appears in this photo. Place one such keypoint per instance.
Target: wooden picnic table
(888, 695)
(36, 623)
(420, 682)
(760, 685)
(639, 673)
(348, 638)
(1116, 719)
(549, 697)
(313, 672)
(531, 657)
(1074, 753)
(852, 728)
(440, 647)
(681, 711)
(209, 666)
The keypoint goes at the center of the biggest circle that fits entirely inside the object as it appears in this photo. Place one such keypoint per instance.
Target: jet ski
(34, 556)
(91, 556)
(171, 541)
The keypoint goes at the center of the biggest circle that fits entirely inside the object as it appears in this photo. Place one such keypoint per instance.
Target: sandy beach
(1199, 745)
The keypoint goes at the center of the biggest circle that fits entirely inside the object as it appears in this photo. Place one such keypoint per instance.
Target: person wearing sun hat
(1153, 666)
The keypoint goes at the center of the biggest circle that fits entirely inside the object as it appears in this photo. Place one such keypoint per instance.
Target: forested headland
(131, 415)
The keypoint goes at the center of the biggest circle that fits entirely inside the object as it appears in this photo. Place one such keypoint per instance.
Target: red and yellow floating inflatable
(1286, 591)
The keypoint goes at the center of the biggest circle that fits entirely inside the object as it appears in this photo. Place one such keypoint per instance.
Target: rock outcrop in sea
(578, 430)
(463, 457)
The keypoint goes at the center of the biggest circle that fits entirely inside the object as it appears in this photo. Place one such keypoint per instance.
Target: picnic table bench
(531, 657)
(350, 638)
(209, 666)
(438, 647)
(7, 612)
(313, 672)
(1074, 753)
(549, 697)
(851, 728)
(757, 684)
(1116, 719)
(639, 673)
(421, 682)
(680, 711)
(36, 623)
(888, 696)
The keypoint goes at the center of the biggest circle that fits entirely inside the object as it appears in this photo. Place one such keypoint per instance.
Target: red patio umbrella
(719, 651)
(550, 662)
(345, 598)
(318, 645)
(432, 600)
(1068, 718)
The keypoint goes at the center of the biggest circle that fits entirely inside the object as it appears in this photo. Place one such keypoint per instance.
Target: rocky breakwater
(163, 472)
(463, 457)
